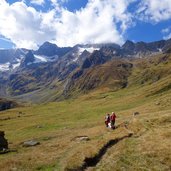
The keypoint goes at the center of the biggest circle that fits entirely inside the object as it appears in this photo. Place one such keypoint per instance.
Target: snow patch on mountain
(39, 58)
(11, 65)
(5, 67)
(159, 49)
(75, 59)
(16, 65)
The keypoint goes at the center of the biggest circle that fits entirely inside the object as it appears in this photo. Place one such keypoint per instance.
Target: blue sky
(29, 23)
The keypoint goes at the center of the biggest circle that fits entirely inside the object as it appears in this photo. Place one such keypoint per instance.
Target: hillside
(139, 143)
(112, 75)
(56, 81)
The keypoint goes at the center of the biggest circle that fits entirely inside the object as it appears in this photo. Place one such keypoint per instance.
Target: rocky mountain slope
(11, 59)
(52, 73)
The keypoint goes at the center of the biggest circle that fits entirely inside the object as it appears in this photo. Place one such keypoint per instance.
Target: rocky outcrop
(49, 49)
(5, 104)
(30, 143)
(29, 59)
(3, 141)
(81, 138)
(96, 58)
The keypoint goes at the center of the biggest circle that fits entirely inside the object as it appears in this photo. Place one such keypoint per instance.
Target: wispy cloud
(166, 30)
(37, 2)
(166, 33)
(154, 10)
(167, 36)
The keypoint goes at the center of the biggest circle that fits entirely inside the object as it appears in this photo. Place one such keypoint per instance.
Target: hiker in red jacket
(107, 119)
(112, 120)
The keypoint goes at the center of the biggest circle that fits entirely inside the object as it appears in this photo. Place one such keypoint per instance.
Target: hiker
(112, 120)
(107, 119)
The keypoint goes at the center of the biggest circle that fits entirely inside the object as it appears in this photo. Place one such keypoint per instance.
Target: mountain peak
(48, 44)
(47, 49)
(29, 58)
(128, 44)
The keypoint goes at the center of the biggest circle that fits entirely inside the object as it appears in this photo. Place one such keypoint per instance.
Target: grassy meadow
(56, 125)
(139, 143)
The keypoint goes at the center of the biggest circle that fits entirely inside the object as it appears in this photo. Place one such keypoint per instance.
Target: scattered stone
(157, 103)
(21, 113)
(136, 113)
(65, 127)
(39, 126)
(3, 142)
(30, 143)
(81, 138)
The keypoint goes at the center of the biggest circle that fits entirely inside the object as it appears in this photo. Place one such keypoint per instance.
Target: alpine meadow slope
(57, 125)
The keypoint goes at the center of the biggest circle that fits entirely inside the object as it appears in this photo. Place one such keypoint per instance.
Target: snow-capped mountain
(11, 59)
(58, 68)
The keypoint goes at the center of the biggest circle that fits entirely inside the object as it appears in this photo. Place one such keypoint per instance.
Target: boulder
(157, 103)
(81, 138)
(30, 143)
(3, 142)
(39, 126)
(136, 113)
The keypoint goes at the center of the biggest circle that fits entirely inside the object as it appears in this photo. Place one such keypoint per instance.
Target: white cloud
(100, 21)
(37, 2)
(166, 30)
(167, 36)
(154, 10)
(167, 33)
(56, 4)
(23, 25)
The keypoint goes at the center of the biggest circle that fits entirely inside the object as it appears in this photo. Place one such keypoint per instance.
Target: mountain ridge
(78, 70)
(11, 59)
